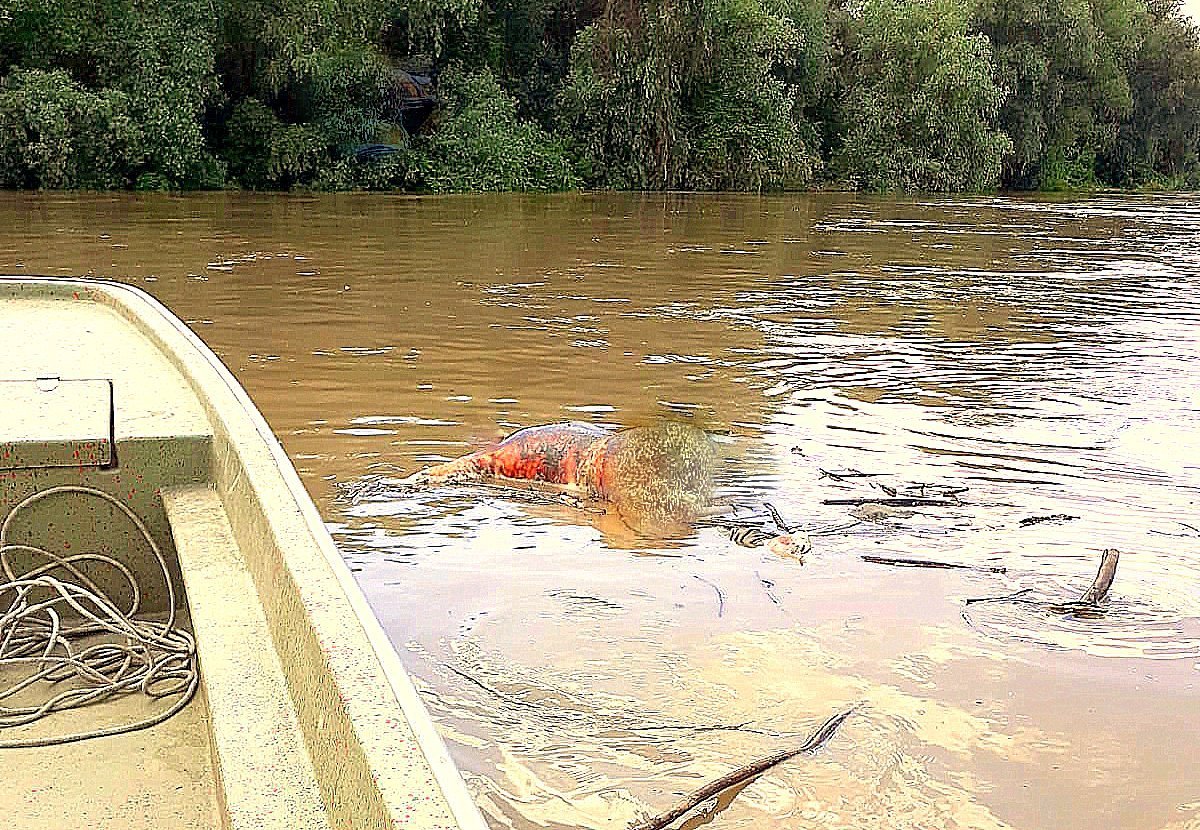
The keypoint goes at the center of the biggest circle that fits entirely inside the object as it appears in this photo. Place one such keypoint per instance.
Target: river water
(1043, 353)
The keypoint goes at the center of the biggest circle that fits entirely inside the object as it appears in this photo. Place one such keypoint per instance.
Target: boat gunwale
(153, 319)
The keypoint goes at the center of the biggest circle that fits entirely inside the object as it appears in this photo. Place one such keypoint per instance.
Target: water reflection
(1042, 353)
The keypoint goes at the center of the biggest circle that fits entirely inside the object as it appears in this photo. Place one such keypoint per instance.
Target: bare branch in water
(767, 586)
(601, 723)
(777, 519)
(897, 502)
(1098, 590)
(1192, 534)
(1087, 605)
(841, 475)
(1016, 596)
(925, 489)
(744, 774)
(720, 594)
(928, 563)
(831, 530)
(1029, 521)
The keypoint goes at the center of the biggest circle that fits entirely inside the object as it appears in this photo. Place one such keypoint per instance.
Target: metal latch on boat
(50, 422)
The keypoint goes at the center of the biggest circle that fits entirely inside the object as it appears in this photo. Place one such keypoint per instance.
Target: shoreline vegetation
(478, 95)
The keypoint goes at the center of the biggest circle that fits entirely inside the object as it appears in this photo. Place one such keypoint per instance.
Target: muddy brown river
(1043, 353)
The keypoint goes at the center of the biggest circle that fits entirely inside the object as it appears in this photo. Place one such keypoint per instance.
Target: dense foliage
(920, 101)
(558, 94)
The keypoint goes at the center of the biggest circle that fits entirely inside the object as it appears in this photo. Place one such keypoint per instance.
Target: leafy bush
(161, 55)
(55, 134)
(142, 70)
(708, 94)
(920, 101)
(622, 106)
(1158, 144)
(1063, 65)
(750, 128)
(479, 143)
(1067, 168)
(264, 153)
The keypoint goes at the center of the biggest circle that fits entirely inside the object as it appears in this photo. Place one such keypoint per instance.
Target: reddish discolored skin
(551, 453)
(654, 476)
(658, 478)
(573, 454)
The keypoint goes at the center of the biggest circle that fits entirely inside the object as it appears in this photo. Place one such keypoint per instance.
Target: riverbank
(700, 95)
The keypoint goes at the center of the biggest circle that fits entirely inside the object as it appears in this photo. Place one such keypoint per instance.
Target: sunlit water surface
(1044, 354)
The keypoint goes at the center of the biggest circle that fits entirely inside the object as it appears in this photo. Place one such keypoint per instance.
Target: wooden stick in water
(1098, 590)
(928, 563)
(743, 774)
(1087, 605)
(778, 519)
(898, 502)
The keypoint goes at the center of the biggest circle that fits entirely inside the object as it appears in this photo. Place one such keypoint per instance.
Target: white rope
(45, 620)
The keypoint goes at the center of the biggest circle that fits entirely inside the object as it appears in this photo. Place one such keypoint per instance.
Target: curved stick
(1098, 590)
(744, 774)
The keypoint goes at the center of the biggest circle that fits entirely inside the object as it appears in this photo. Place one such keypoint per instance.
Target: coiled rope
(65, 631)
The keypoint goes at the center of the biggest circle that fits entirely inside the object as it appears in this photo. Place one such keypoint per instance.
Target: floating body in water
(662, 471)
(658, 477)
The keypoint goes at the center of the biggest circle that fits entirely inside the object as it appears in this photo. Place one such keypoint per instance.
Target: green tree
(623, 100)
(543, 94)
(307, 81)
(749, 113)
(55, 134)
(698, 94)
(1159, 142)
(480, 143)
(157, 56)
(920, 101)
(1063, 64)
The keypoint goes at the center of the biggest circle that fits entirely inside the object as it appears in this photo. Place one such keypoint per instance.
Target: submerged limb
(1098, 590)
(775, 517)
(896, 502)
(1017, 596)
(720, 594)
(1088, 605)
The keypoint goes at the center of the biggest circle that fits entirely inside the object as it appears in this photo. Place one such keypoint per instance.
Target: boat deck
(161, 777)
(42, 337)
(158, 777)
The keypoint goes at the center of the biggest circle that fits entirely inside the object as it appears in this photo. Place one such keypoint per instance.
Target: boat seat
(55, 423)
(266, 776)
